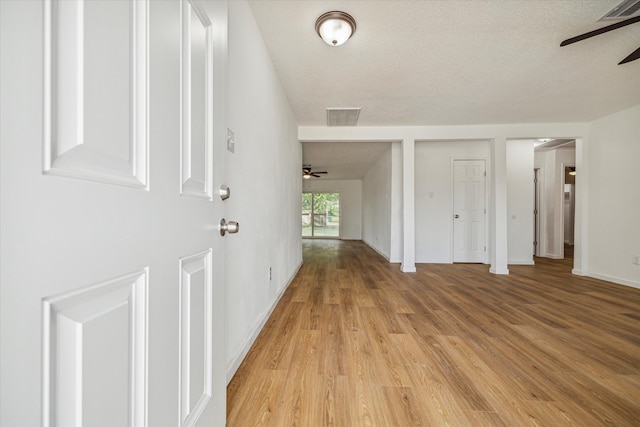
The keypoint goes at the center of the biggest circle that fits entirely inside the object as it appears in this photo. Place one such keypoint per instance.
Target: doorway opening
(569, 209)
(321, 215)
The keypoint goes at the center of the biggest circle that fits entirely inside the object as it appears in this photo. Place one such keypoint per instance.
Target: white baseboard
(408, 268)
(494, 271)
(433, 261)
(521, 262)
(376, 249)
(234, 363)
(553, 256)
(616, 280)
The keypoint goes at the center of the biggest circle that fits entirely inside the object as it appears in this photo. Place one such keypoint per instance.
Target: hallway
(354, 342)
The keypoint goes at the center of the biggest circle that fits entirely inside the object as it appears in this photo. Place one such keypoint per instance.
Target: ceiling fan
(307, 173)
(632, 57)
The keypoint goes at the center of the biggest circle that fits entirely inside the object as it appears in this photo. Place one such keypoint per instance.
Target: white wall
(264, 177)
(613, 212)
(433, 195)
(520, 167)
(350, 203)
(376, 205)
(551, 164)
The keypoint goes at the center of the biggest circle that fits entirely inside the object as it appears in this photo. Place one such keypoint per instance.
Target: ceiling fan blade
(314, 174)
(320, 172)
(634, 55)
(601, 30)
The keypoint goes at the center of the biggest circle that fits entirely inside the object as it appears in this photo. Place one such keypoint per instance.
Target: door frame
(451, 207)
(560, 234)
(539, 226)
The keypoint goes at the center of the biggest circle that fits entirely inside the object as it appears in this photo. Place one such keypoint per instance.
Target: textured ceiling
(453, 62)
(343, 160)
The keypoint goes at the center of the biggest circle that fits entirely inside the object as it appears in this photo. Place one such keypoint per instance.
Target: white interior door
(469, 211)
(113, 136)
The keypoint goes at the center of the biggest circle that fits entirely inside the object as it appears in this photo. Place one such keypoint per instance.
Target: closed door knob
(456, 216)
(231, 227)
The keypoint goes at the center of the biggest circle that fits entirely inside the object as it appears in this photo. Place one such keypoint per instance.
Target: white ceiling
(343, 160)
(452, 62)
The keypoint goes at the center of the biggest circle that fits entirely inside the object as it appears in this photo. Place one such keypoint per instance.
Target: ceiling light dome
(335, 27)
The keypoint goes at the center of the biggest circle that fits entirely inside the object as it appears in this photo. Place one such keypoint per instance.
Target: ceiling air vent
(626, 9)
(342, 116)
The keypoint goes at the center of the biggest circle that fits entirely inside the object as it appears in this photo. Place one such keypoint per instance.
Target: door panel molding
(196, 161)
(96, 130)
(196, 339)
(100, 327)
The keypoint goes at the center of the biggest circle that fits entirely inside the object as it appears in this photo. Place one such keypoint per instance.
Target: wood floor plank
(296, 391)
(331, 359)
(359, 366)
(406, 407)
(355, 342)
(389, 366)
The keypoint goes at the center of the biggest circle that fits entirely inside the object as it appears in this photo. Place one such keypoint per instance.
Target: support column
(499, 215)
(581, 228)
(408, 207)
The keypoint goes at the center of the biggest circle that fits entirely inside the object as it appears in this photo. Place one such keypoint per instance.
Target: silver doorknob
(456, 216)
(231, 227)
(224, 192)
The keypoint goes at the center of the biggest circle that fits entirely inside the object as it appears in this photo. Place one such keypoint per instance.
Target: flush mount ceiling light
(335, 27)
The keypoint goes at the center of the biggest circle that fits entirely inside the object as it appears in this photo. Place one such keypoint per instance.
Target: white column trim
(499, 241)
(580, 266)
(408, 206)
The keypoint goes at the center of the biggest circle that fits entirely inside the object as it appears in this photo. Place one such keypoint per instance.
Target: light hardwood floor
(355, 342)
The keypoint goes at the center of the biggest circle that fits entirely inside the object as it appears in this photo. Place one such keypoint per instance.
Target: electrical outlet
(636, 259)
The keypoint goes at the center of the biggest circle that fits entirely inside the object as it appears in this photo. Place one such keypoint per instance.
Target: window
(321, 215)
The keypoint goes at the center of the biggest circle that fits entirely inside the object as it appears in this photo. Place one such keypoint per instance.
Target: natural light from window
(321, 215)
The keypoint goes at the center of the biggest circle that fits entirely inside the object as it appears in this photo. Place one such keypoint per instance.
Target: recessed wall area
(520, 200)
(434, 195)
(378, 193)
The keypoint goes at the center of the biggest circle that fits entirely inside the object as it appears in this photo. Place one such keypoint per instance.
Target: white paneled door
(469, 211)
(113, 144)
